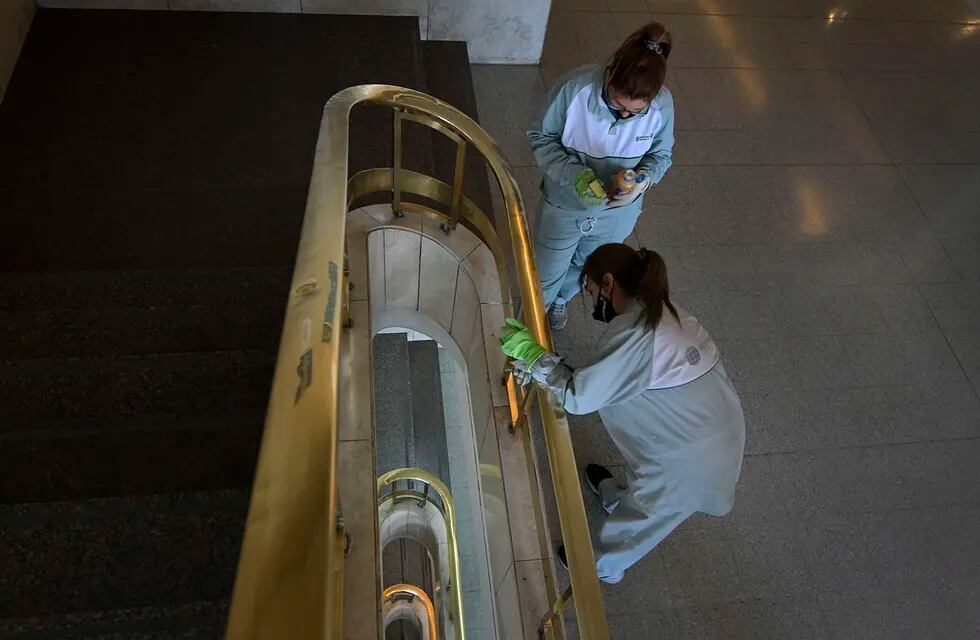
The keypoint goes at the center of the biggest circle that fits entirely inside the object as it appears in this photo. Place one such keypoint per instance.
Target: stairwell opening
(434, 305)
(423, 420)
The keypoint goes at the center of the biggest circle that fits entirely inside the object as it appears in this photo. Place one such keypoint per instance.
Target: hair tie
(653, 45)
(643, 255)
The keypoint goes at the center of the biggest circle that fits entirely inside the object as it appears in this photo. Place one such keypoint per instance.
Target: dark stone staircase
(153, 177)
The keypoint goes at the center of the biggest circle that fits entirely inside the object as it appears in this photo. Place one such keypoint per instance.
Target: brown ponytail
(639, 66)
(641, 274)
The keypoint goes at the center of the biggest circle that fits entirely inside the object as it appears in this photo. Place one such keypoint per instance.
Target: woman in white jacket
(664, 397)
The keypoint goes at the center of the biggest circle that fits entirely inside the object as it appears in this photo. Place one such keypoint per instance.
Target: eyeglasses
(619, 107)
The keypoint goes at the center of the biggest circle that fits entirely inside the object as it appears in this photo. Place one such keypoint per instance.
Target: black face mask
(604, 311)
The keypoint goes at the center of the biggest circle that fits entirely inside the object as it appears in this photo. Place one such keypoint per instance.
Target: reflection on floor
(823, 219)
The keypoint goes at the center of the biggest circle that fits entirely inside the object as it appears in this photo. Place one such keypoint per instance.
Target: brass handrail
(448, 510)
(289, 577)
(409, 589)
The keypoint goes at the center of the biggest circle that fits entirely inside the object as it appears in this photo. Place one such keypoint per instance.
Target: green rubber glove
(516, 342)
(587, 185)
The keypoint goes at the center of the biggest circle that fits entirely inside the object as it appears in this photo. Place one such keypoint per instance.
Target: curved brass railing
(448, 510)
(289, 581)
(414, 592)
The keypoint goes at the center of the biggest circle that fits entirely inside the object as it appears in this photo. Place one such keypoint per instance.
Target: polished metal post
(457, 184)
(555, 611)
(396, 171)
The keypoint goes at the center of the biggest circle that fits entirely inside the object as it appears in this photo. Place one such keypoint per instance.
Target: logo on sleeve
(644, 138)
(692, 355)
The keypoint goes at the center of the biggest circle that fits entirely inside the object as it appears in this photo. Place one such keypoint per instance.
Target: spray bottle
(622, 184)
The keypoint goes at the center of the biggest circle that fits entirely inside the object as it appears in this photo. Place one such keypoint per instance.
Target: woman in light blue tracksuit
(657, 382)
(597, 122)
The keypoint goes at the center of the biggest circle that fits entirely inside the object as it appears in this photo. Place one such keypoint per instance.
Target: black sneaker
(594, 474)
(563, 559)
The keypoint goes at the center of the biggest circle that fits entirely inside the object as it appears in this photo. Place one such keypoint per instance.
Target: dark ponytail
(639, 66)
(641, 274)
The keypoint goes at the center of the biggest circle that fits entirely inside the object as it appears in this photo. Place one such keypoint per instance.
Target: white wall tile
(368, 7)
(466, 309)
(488, 451)
(356, 484)
(503, 31)
(402, 254)
(383, 214)
(509, 607)
(483, 269)
(479, 616)
(376, 269)
(520, 492)
(492, 320)
(480, 395)
(355, 375)
(533, 595)
(384, 509)
(460, 242)
(494, 499)
(474, 564)
(439, 267)
(359, 224)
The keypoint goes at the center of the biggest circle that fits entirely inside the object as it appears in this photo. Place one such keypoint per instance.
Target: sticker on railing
(307, 287)
(331, 303)
(305, 372)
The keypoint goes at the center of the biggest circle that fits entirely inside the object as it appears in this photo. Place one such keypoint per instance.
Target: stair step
(120, 553)
(77, 463)
(39, 333)
(184, 621)
(181, 229)
(118, 392)
(181, 159)
(171, 192)
(241, 286)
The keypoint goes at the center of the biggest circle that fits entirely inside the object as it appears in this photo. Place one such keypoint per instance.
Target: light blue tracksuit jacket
(682, 445)
(575, 131)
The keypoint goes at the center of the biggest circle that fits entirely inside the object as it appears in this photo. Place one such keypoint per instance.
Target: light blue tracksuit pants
(630, 531)
(564, 238)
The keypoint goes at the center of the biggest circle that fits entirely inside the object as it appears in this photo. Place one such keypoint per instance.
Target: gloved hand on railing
(524, 373)
(589, 188)
(531, 360)
(516, 341)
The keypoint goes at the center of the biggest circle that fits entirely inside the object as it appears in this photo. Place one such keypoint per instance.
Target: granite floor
(823, 219)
